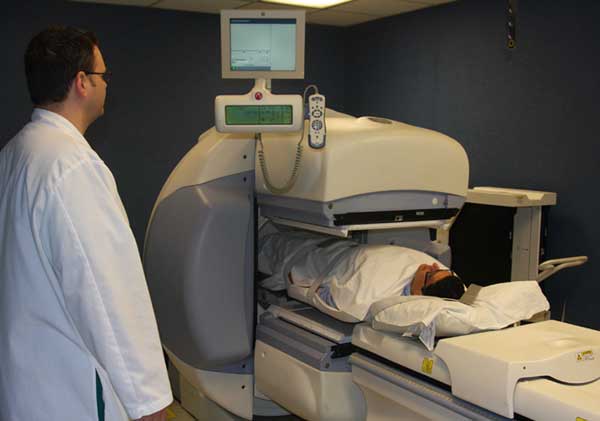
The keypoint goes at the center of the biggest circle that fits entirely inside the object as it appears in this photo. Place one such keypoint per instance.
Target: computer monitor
(262, 44)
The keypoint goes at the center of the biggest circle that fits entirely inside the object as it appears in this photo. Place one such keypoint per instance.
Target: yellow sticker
(427, 366)
(170, 414)
(580, 419)
(585, 356)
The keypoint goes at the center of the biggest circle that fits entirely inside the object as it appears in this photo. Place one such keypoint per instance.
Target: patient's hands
(420, 275)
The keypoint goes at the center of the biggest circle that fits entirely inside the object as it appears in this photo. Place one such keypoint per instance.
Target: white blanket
(494, 307)
(356, 282)
(348, 276)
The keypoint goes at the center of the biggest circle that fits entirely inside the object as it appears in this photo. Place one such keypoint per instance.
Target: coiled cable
(297, 160)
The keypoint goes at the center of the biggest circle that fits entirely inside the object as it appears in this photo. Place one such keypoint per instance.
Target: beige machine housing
(369, 165)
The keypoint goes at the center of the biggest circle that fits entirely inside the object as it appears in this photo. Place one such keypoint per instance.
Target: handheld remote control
(316, 121)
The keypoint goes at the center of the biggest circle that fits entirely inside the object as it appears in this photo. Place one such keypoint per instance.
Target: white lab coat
(73, 297)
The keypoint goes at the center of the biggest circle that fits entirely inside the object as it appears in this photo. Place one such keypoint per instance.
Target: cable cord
(297, 160)
(295, 169)
(316, 89)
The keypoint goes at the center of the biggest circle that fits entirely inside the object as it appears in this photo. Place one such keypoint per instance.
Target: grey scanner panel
(199, 265)
(320, 213)
(301, 344)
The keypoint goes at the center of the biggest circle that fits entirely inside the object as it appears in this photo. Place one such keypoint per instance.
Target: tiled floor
(176, 413)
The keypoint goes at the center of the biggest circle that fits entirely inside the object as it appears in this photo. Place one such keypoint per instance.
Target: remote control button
(317, 125)
(317, 113)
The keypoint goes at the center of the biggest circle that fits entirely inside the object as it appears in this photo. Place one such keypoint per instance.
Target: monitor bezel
(227, 15)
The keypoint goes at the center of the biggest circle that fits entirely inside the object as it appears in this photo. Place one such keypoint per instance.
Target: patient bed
(537, 371)
(518, 370)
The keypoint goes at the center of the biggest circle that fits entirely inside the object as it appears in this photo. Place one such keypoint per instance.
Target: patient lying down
(349, 276)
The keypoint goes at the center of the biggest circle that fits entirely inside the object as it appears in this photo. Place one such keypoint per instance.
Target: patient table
(536, 371)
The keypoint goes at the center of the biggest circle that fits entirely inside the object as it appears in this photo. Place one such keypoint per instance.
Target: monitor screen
(255, 115)
(262, 44)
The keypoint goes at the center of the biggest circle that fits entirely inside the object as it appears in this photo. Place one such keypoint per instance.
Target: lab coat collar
(57, 120)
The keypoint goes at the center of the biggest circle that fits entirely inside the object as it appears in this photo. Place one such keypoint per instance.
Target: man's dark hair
(53, 59)
(449, 287)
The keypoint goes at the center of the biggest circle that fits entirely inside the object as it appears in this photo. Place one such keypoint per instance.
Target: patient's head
(434, 281)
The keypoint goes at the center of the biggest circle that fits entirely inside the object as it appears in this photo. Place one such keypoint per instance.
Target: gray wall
(528, 118)
(166, 74)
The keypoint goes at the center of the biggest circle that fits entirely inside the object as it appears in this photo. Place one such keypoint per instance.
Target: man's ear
(80, 84)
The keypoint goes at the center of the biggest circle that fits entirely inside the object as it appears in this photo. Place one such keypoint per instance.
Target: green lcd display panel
(257, 115)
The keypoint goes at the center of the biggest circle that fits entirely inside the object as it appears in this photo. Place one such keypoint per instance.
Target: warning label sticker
(585, 356)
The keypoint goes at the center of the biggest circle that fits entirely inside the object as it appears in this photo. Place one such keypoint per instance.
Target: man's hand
(157, 416)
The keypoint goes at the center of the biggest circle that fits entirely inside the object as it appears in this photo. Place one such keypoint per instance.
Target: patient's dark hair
(449, 287)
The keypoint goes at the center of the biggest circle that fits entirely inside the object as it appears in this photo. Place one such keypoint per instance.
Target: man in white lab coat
(78, 336)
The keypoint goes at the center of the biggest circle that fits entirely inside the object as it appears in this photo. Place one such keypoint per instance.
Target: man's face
(98, 89)
(427, 275)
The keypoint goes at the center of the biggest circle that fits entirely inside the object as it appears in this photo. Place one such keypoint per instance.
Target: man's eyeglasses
(105, 75)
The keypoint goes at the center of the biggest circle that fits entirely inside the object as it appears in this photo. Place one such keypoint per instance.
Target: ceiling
(346, 14)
